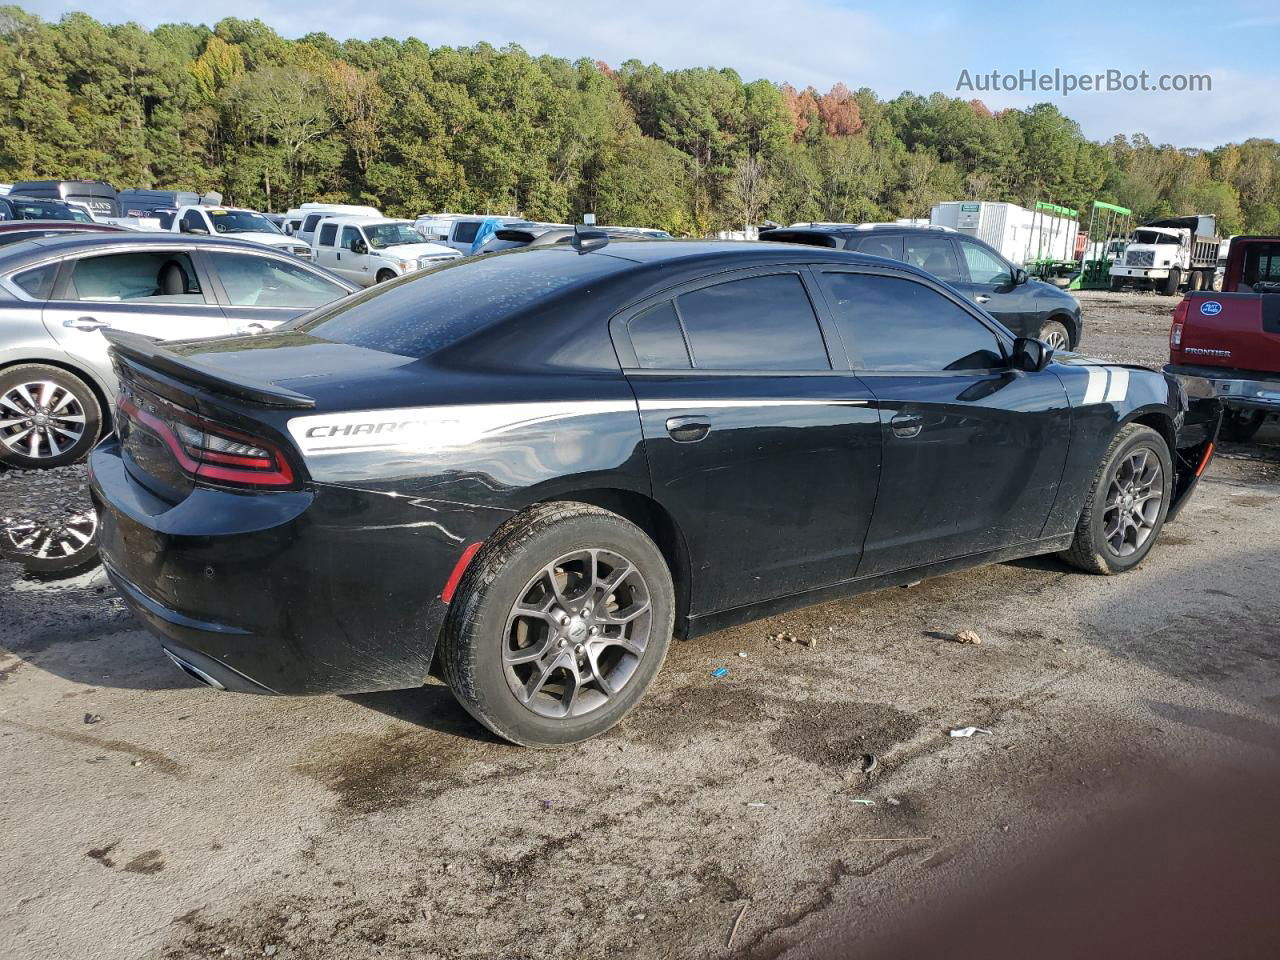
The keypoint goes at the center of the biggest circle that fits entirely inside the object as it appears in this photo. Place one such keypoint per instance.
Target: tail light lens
(1179, 318)
(210, 451)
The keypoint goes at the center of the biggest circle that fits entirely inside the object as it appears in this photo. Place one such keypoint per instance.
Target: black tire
(477, 633)
(84, 402)
(1195, 281)
(384, 275)
(1171, 282)
(1091, 551)
(1056, 334)
(1240, 426)
(1117, 284)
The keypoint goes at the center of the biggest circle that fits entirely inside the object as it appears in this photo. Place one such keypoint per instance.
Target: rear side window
(895, 324)
(161, 277)
(37, 283)
(890, 247)
(757, 323)
(431, 309)
(935, 255)
(466, 231)
(310, 223)
(657, 339)
(327, 233)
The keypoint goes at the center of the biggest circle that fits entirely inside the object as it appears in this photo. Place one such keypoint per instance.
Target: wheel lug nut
(594, 631)
(563, 643)
(564, 620)
(580, 649)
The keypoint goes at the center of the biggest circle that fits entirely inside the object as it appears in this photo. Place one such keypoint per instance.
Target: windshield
(79, 216)
(241, 221)
(40, 210)
(391, 235)
(1150, 236)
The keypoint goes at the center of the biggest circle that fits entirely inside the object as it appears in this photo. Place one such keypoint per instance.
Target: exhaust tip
(194, 672)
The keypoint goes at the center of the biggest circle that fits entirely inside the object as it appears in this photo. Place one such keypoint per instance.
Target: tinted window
(194, 220)
(310, 223)
(160, 277)
(656, 337)
(38, 283)
(984, 266)
(24, 209)
(433, 308)
(349, 237)
(758, 323)
(935, 255)
(327, 233)
(265, 282)
(466, 231)
(890, 323)
(890, 247)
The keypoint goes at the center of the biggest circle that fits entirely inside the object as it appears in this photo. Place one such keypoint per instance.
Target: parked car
(302, 222)
(59, 293)
(1028, 307)
(98, 195)
(535, 466)
(16, 231)
(1232, 339)
(15, 207)
(515, 235)
(454, 230)
(369, 250)
(238, 222)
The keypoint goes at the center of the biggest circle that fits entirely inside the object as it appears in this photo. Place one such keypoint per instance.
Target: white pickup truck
(239, 223)
(369, 250)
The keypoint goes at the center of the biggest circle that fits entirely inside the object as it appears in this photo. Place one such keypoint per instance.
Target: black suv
(1030, 308)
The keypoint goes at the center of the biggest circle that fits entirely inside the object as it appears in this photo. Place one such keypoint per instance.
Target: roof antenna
(584, 241)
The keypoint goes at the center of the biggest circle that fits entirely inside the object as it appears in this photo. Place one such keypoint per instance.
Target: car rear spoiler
(154, 354)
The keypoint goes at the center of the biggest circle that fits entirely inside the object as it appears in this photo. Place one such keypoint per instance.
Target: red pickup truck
(1232, 338)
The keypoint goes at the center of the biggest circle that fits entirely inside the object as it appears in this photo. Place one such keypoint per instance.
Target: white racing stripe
(427, 429)
(1105, 385)
(1097, 387)
(1119, 386)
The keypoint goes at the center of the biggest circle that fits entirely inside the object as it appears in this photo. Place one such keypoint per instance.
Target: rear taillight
(210, 451)
(1179, 318)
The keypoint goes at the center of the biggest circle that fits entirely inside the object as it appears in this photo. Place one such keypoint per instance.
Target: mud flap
(1196, 439)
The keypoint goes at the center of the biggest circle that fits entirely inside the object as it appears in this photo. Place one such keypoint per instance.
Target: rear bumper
(329, 590)
(1238, 389)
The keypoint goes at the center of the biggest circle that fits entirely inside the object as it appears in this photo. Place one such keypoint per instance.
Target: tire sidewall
(25, 373)
(477, 675)
(1155, 443)
(1048, 327)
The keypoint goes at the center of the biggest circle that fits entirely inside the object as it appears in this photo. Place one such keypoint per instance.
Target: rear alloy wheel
(1239, 426)
(560, 625)
(1055, 334)
(1127, 504)
(48, 417)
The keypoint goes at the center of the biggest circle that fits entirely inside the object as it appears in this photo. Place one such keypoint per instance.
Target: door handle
(687, 429)
(87, 324)
(982, 298)
(907, 425)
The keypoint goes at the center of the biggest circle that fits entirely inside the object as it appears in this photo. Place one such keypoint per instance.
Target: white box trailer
(1021, 235)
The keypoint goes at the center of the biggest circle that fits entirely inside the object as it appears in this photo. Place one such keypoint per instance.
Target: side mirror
(1019, 276)
(360, 247)
(1030, 355)
(187, 228)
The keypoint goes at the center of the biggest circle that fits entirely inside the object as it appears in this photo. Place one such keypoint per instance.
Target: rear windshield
(429, 310)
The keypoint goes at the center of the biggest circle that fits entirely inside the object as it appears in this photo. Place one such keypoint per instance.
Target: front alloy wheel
(1135, 498)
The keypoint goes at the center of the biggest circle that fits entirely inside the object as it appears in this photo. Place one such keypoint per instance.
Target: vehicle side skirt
(710, 622)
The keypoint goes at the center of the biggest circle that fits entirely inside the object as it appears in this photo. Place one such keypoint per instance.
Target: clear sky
(920, 46)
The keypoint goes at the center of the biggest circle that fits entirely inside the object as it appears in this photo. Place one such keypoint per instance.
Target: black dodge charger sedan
(532, 469)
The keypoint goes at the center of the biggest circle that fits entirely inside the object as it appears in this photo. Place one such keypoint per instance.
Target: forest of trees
(270, 122)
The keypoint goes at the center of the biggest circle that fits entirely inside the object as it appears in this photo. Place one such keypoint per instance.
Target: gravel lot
(145, 816)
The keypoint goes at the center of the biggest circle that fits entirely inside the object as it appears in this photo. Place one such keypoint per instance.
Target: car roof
(348, 220)
(71, 226)
(42, 248)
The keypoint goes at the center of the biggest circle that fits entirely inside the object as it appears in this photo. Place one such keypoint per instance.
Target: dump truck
(1170, 254)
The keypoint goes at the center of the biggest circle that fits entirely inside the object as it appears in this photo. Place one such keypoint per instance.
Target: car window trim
(221, 292)
(66, 265)
(1004, 338)
(621, 335)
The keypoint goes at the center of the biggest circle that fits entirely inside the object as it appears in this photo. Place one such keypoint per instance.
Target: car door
(157, 292)
(934, 252)
(352, 263)
(765, 453)
(260, 291)
(463, 234)
(989, 282)
(326, 247)
(973, 450)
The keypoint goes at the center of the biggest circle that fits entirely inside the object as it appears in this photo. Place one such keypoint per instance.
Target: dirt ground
(144, 816)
